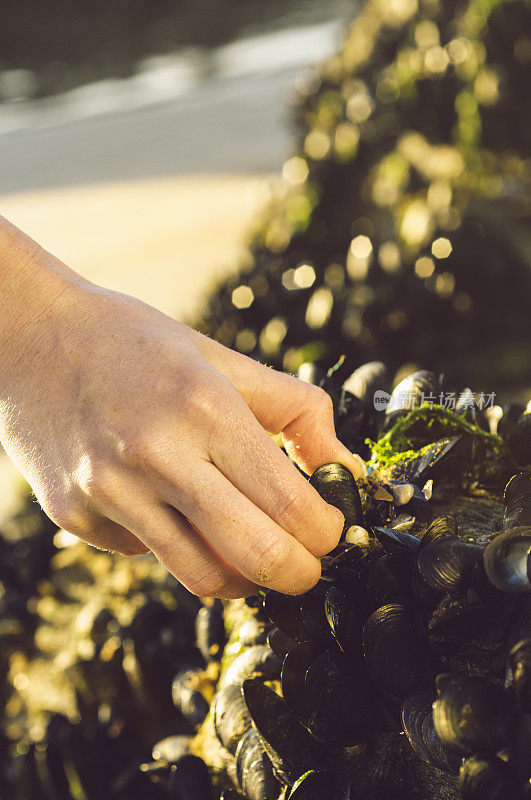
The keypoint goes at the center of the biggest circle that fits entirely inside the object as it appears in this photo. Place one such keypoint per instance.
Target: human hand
(137, 433)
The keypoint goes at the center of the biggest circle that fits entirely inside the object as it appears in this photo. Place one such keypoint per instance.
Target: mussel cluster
(404, 673)
(400, 226)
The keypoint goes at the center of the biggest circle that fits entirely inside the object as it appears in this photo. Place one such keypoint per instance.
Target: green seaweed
(396, 445)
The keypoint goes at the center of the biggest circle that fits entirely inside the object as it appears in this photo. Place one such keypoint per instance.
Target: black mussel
(397, 542)
(519, 440)
(447, 564)
(441, 527)
(293, 676)
(519, 673)
(230, 716)
(346, 620)
(507, 560)
(318, 785)
(279, 643)
(336, 485)
(492, 779)
(190, 780)
(300, 617)
(187, 697)
(290, 747)
(337, 700)
(517, 497)
(210, 631)
(257, 660)
(171, 749)
(414, 390)
(397, 658)
(420, 468)
(388, 581)
(473, 715)
(254, 631)
(417, 722)
(366, 380)
(254, 771)
(461, 620)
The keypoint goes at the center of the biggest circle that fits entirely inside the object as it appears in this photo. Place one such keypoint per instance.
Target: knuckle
(209, 583)
(266, 557)
(98, 479)
(64, 511)
(289, 509)
(319, 400)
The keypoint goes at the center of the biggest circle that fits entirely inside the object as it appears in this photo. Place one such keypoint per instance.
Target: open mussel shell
(488, 779)
(518, 676)
(434, 459)
(517, 497)
(188, 699)
(336, 485)
(210, 631)
(257, 660)
(417, 722)
(447, 564)
(254, 770)
(473, 715)
(290, 747)
(397, 658)
(507, 560)
(230, 716)
(190, 780)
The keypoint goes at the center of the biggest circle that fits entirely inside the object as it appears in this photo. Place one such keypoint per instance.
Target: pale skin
(139, 434)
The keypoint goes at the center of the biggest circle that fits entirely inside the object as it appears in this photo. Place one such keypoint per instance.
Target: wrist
(34, 286)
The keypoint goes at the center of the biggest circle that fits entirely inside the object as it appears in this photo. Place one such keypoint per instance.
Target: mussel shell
(190, 780)
(346, 620)
(441, 527)
(447, 564)
(257, 660)
(488, 779)
(188, 699)
(418, 469)
(518, 675)
(473, 715)
(279, 643)
(409, 393)
(417, 722)
(230, 716)
(388, 581)
(254, 770)
(292, 679)
(507, 560)
(210, 631)
(366, 380)
(517, 497)
(300, 617)
(318, 785)
(336, 485)
(171, 749)
(396, 541)
(397, 658)
(290, 747)
(253, 631)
